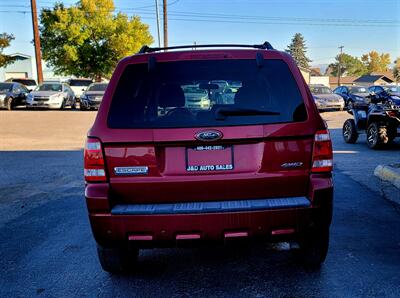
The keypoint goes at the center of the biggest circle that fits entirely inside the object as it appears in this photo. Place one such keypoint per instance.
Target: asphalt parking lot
(47, 248)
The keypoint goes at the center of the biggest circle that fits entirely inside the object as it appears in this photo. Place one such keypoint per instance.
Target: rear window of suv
(206, 93)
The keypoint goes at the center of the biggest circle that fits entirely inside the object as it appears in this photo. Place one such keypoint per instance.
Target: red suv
(250, 160)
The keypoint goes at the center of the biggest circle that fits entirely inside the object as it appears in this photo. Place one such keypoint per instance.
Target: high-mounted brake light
(322, 160)
(94, 170)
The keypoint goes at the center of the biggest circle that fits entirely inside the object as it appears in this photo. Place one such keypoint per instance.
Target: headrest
(250, 96)
(171, 96)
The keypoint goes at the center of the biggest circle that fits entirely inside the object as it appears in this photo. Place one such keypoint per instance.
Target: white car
(79, 86)
(52, 96)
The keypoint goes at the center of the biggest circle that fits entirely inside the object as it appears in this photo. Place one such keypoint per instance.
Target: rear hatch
(253, 140)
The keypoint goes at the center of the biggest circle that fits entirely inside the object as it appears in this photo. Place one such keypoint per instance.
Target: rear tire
(118, 259)
(314, 247)
(377, 136)
(73, 104)
(62, 105)
(10, 105)
(349, 131)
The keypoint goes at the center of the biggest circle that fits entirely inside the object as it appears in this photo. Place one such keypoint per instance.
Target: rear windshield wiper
(221, 113)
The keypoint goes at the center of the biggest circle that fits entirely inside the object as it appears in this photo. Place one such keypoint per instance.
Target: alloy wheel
(372, 135)
(347, 130)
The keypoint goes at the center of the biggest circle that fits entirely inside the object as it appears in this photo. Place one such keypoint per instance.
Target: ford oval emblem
(208, 135)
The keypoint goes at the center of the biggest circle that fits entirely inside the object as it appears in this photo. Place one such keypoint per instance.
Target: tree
(297, 49)
(350, 66)
(5, 41)
(396, 69)
(88, 39)
(375, 62)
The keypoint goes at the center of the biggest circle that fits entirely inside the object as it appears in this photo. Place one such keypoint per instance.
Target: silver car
(325, 99)
(196, 98)
(51, 95)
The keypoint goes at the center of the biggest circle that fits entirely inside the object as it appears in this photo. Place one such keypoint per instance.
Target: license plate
(209, 158)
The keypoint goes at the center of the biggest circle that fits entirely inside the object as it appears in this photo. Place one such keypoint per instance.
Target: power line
(256, 19)
(72, 4)
(212, 20)
(194, 14)
(274, 23)
(219, 15)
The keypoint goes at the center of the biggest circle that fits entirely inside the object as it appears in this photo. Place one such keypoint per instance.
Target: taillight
(322, 160)
(94, 161)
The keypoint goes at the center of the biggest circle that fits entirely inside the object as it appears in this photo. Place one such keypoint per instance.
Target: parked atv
(380, 120)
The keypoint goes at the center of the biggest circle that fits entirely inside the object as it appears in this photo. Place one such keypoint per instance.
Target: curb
(390, 173)
(390, 182)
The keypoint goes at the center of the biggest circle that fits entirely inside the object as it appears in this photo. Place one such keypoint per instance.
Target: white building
(24, 67)
(319, 80)
(20, 68)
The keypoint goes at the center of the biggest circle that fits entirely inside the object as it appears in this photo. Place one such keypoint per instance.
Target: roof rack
(265, 46)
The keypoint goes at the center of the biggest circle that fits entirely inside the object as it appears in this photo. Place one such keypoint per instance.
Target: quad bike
(380, 120)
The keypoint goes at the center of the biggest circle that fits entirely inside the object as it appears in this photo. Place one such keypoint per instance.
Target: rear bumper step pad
(211, 207)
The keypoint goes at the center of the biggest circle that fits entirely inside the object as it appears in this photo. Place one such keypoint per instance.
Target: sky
(358, 25)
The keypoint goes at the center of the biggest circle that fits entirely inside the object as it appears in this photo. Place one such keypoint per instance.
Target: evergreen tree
(297, 49)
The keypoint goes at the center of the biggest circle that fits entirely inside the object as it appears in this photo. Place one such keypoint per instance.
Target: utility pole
(340, 65)
(158, 25)
(165, 23)
(36, 39)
